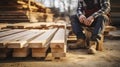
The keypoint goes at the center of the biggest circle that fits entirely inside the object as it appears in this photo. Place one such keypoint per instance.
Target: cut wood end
(35, 45)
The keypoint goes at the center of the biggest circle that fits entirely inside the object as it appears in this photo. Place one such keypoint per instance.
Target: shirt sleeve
(105, 8)
(79, 8)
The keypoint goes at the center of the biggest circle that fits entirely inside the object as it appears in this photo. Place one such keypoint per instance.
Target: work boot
(92, 47)
(79, 44)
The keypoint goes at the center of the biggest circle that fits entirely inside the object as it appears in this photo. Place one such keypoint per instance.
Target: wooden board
(22, 41)
(4, 52)
(6, 39)
(6, 33)
(39, 52)
(58, 44)
(59, 40)
(20, 52)
(42, 40)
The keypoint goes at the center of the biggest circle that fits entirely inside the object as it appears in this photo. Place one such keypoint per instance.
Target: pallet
(20, 44)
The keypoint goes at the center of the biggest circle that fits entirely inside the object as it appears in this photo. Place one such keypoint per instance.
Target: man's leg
(77, 29)
(99, 25)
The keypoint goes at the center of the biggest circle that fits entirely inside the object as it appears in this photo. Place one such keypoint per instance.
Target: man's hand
(82, 18)
(89, 20)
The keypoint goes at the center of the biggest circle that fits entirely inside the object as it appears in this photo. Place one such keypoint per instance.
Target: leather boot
(92, 47)
(79, 44)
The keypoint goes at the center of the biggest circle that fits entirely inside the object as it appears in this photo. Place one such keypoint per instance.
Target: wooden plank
(58, 50)
(58, 44)
(3, 30)
(110, 28)
(3, 53)
(2, 25)
(20, 52)
(6, 39)
(59, 40)
(42, 40)
(39, 52)
(22, 41)
(6, 33)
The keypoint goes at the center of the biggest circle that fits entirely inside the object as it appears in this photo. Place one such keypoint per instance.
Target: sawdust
(110, 57)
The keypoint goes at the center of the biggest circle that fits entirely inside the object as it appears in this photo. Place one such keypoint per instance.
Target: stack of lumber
(13, 11)
(58, 44)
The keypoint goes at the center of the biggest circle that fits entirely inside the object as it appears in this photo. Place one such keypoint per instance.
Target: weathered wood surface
(3, 30)
(6, 39)
(58, 44)
(22, 41)
(59, 39)
(3, 53)
(6, 33)
(42, 40)
(20, 52)
(2, 25)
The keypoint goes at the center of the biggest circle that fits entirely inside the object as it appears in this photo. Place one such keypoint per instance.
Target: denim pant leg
(77, 27)
(99, 26)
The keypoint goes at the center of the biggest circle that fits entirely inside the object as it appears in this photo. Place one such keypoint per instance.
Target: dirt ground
(110, 57)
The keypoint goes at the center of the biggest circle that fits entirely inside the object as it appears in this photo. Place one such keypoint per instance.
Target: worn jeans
(98, 24)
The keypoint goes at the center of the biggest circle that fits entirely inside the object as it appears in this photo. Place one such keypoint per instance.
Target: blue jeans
(98, 24)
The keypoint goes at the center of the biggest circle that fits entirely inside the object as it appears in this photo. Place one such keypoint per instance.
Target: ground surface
(110, 57)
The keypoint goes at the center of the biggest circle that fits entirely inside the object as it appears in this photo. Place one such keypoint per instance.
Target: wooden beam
(20, 52)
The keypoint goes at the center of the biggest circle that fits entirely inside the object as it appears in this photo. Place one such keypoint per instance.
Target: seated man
(90, 13)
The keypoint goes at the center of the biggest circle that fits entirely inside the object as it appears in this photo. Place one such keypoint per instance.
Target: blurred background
(46, 10)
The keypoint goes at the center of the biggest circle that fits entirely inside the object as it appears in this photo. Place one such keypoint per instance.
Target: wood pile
(13, 11)
(23, 11)
(22, 42)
